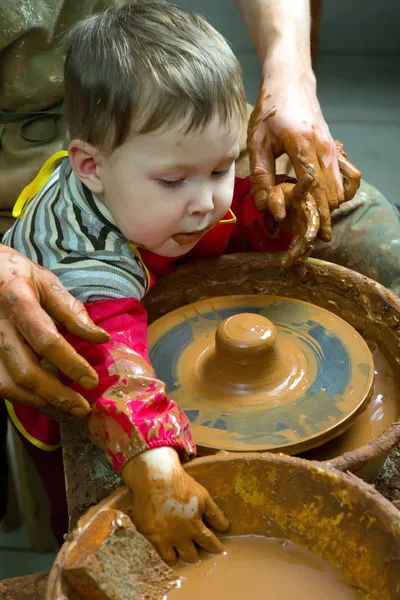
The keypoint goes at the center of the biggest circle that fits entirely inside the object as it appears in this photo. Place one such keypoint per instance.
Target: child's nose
(203, 202)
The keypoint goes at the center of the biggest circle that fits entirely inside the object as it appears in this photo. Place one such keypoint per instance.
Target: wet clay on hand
(169, 506)
(297, 211)
(350, 174)
(29, 297)
(273, 568)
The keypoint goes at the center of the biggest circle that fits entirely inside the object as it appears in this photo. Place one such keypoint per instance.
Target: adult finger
(43, 337)
(300, 190)
(166, 551)
(70, 312)
(351, 177)
(214, 516)
(24, 369)
(302, 242)
(262, 160)
(188, 552)
(276, 203)
(305, 160)
(16, 394)
(332, 179)
(208, 541)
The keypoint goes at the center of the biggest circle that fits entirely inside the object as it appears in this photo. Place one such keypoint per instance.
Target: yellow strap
(232, 218)
(136, 251)
(36, 185)
(28, 436)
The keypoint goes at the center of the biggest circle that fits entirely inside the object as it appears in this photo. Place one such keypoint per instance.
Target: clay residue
(275, 568)
(382, 411)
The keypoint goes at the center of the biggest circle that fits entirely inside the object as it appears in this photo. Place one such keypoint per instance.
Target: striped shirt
(69, 231)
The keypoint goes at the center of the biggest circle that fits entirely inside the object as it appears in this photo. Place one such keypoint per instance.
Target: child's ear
(84, 159)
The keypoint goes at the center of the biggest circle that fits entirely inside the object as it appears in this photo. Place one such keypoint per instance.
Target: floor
(360, 98)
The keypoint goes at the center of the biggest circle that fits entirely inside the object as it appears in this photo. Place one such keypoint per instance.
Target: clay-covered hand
(294, 205)
(169, 506)
(287, 119)
(27, 293)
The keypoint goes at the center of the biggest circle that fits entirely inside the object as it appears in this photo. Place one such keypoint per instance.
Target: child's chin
(172, 249)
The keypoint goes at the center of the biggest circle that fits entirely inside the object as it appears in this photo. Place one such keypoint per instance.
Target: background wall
(358, 76)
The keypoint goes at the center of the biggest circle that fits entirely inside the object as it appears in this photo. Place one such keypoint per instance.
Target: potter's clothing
(69, 231)
(32, 126)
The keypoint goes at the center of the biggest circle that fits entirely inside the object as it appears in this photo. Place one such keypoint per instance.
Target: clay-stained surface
(30, 587)
(106, 558)
(293, 499)
(111, 560)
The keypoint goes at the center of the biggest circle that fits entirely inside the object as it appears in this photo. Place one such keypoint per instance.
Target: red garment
(140, 416)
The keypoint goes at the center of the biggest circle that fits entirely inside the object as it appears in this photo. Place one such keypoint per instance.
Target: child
(155, 105)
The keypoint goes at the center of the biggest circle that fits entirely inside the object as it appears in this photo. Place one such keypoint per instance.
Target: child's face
(165, 190)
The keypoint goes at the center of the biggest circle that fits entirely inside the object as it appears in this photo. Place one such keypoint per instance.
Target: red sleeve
(131, 411)
(255, 231)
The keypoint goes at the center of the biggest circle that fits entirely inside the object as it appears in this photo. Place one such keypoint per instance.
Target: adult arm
(287, 116)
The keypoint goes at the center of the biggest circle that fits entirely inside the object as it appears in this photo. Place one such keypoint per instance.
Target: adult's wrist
(287, 66)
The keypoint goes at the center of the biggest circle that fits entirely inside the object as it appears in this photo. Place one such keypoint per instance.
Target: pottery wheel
(257, 373)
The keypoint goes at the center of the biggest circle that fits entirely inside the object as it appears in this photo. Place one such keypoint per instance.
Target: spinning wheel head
(257, 373)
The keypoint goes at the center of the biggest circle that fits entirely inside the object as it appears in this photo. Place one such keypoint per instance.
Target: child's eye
(221, 173)
(170, 183)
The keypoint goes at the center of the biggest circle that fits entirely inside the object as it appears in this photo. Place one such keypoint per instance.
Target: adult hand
(169, 506)
(27, 293)
(294, 203)
(287, 118)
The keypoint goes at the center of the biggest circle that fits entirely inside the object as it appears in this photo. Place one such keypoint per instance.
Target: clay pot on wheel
(335, 515)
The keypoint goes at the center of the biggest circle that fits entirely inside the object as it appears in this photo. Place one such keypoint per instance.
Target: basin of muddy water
(298, 530)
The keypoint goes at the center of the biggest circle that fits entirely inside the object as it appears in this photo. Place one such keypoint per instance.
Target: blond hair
(144, 67)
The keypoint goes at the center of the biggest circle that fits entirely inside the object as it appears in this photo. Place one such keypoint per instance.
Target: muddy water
(382, 411)
(258, 567)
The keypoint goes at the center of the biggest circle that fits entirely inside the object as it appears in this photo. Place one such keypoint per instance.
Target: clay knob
(246, 339)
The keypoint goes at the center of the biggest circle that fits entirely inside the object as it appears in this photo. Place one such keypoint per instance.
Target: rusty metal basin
(336, 515)
(369, 307)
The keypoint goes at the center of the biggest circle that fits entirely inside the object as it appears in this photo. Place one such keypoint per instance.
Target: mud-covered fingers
(262, 169)
(305, 161)
(307, 225)
(68, 310)
(15, 393)
(214, 515)
(207, 540)
(276, 203)
(25, 371)
(40, 332)
(166, 551)
(300, 190)
(188, 552)
(351, 177)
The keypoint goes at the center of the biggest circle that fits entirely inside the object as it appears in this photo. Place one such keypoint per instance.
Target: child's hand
(169, 505)
(293, 202)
